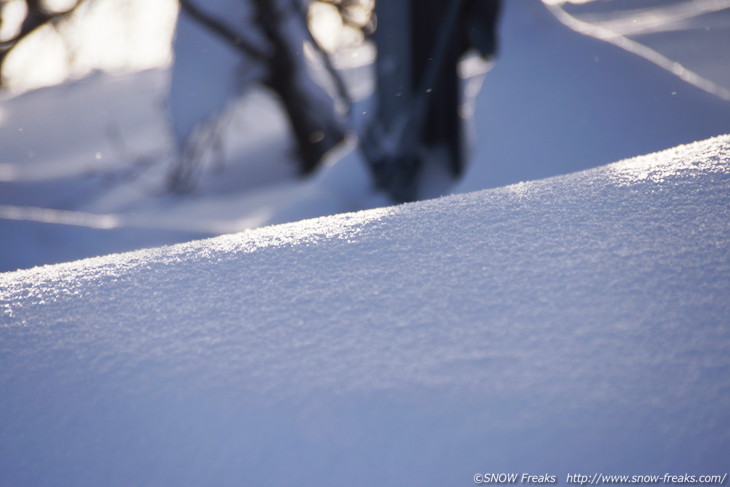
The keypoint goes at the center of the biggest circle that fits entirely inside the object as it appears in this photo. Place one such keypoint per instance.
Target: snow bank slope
(571, 325)
(558, 101)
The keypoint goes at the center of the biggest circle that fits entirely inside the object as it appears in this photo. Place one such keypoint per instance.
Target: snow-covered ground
(572, 324)
(577, 325)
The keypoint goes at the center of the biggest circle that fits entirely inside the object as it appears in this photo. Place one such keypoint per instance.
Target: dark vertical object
(419, 45)
(315, 130)
(442, 125)
(393, 63)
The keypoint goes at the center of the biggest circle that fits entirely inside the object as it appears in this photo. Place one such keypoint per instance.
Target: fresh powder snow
(573, 325)
(572, 320)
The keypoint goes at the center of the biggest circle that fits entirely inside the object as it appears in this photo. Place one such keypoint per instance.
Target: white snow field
(572, 325)
(557, 101)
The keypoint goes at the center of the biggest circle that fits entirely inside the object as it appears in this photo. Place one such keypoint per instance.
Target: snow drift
(558, 101)
(577, 324)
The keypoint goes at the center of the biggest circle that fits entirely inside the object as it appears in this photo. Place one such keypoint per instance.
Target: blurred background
(103, 101)
(109, 35)
(132, 35)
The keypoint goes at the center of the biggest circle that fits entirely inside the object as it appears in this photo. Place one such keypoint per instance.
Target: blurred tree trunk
(273, 40)
(314, 124)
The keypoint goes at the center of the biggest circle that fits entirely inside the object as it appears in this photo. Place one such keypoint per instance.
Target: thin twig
(334, 74)
(33, 20)
(224, 31)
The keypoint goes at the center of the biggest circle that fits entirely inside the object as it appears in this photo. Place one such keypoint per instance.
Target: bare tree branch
(36, 17)
(342, 91)
(224, 31)
(315, 126)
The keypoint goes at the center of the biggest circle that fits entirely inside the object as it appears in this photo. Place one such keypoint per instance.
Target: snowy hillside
(558, 101)
(577, 324)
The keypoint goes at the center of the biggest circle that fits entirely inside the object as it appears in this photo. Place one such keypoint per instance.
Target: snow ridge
(568, 324)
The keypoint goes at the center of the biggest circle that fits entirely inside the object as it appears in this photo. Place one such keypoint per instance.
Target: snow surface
(557, 101)
(577, 324)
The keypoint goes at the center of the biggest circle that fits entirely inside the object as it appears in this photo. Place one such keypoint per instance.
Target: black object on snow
(420, 43)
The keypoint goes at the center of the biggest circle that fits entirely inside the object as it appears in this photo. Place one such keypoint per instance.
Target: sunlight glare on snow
(520, 189)
(48, 215)
(344, 226)
(659, 167)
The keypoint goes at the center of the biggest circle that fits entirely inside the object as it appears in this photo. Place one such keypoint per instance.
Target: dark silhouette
(314, 124)
(315, 129)
(420, 43)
